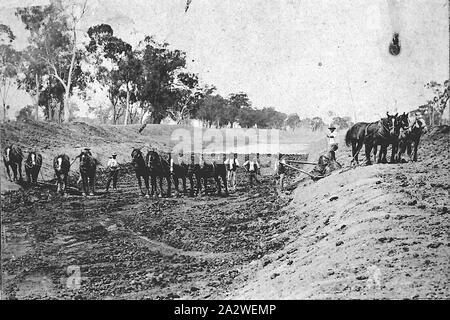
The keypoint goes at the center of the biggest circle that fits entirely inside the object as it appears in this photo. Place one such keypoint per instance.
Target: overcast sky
(304, 56)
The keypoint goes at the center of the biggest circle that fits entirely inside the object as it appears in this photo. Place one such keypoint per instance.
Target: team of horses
(151, 169)
(13, 157)
(155, 168)
(398, 131)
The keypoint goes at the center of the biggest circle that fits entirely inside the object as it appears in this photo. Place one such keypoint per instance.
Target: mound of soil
(372, 232)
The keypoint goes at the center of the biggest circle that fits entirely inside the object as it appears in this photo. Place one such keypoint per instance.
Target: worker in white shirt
(331, 137)
(113, 167)
(232, 163)
(252, 167)
(178, 161)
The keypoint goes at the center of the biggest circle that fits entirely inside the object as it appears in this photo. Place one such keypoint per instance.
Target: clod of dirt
(274, 275)
(339, 243)
(334, 198)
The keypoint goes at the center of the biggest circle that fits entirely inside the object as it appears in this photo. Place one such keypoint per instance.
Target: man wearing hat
(252, 166)
(280, 169)
(331, 137)
(113, 167)
(82, 150)
(232, 163)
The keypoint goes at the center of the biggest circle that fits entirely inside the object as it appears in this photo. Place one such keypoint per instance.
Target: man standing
(82, 150)
(252, 167)
(280, 169)
(178, 161)
(331, 137)
(113, 167)
(232, 164)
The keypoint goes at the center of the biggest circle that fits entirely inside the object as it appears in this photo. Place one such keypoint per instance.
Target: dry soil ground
(371, 232)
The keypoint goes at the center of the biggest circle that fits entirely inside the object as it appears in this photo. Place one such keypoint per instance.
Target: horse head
(58, 163)
(32, 158)
(153, 158)
(7, 153)
(136, 157)
(390, 123)
(402, 121)
(85, 159)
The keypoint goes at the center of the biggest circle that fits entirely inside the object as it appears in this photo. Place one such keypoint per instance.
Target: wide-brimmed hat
(332, 128)
(114, 155)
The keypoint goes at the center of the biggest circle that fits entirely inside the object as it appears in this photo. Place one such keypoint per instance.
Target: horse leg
(199, 185)
(66, 177)
(353, 152)
(382, 154)
(400, 150)
(34, 176)
(176, 183)
(219, 189)
(28, 174)
(225, 183)
(20, 170)
(84, 182)
(394, 152)
(153, 182)
(198, 178)
(205, 184)
(191, 183)
(8, 172)
(160, 187)
(92, 186)
(184, 185)
(14, 170)
(368, 150)
(416, 146)
(147, 187)
(138, 177)
(169, 186)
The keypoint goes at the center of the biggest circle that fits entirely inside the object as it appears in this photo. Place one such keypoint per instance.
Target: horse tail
(348, 138)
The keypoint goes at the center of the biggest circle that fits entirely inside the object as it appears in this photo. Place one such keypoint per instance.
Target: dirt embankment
(372, 232)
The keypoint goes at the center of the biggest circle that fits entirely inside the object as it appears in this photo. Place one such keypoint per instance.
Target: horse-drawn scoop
(323, 168)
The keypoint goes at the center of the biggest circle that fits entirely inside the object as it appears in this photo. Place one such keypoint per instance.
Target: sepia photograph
(219, 150)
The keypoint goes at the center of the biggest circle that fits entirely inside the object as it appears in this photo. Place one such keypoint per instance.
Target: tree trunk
(114, 114)
(37, 98)
(127, 110)
(66, 107)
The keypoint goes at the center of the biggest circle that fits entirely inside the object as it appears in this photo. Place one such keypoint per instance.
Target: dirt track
(386, 235)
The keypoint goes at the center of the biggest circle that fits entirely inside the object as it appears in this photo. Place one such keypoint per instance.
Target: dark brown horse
(12, 157)
(61, 165)
(193, 171)
(140, 169)
(410, 135)
(88, 168)
(158, 167)
(381, 133)
(215, 170)
(33, 165)
(355, 137)
(179, 170)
